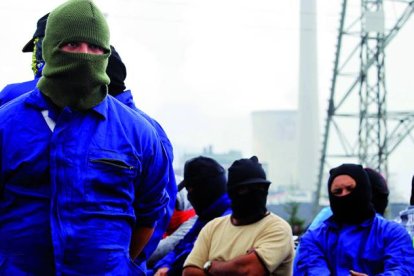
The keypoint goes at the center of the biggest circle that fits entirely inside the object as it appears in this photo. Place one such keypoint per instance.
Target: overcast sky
(201, 67)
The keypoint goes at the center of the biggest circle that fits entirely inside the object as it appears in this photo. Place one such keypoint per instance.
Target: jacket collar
(330, 222)
(38, 101)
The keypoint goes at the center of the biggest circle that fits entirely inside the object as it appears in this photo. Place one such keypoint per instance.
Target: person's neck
(247, 220)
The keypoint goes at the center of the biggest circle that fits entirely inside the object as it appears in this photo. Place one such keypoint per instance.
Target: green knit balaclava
(77, 80)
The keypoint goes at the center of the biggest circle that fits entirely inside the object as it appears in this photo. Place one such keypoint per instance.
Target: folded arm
(248, 264)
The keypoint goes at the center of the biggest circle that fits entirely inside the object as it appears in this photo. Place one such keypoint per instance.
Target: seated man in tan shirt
(250, 241)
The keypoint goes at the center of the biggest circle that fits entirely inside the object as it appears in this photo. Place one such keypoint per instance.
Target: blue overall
(70, 198)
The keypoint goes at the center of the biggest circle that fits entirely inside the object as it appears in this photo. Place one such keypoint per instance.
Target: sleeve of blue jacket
(399, 252)
(180, 252)
(167, 261)
(151, 197)
(310, 259)
(171, 188)
(14, 90)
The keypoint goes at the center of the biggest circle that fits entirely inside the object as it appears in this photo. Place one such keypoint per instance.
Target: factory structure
(294, 149)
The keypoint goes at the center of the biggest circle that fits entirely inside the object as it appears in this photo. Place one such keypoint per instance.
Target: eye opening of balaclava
(77, 80)
(356, 206)
(205, 181)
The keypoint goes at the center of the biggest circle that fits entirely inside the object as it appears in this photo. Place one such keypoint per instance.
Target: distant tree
(292, 209)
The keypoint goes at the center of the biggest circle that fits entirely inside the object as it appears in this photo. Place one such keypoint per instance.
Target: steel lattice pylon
(358, 127)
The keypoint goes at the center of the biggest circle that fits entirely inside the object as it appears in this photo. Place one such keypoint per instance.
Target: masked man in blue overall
(82, 176)
(354, 240)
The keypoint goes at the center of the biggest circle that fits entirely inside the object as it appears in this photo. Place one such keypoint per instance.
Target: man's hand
(163, 271)
(140, 237)
(354, 273)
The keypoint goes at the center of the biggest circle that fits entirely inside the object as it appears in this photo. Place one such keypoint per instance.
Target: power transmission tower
(358, 127)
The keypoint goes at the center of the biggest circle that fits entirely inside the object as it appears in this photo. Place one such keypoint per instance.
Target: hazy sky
(201, 67)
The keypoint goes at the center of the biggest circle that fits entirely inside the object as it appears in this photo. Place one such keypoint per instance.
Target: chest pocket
(373, 259)
(111, 178)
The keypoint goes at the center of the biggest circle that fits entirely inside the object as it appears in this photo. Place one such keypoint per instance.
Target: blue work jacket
(374, 247)
(171, 188)
(70, 198)
(14, 90)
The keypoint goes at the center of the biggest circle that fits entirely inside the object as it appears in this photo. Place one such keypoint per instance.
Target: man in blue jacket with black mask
(205, 181)
(84, 182)
(355, 240)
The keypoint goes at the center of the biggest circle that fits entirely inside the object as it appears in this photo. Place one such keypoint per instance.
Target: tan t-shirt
(271, 237)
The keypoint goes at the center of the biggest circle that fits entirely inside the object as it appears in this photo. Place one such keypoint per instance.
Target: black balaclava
(116, 72)
(356, 206)
(248, 175)
(205, 180)
(250, 206)
(380, 190)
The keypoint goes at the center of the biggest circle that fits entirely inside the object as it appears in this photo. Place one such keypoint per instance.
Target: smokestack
(308, 104)
(412, 192)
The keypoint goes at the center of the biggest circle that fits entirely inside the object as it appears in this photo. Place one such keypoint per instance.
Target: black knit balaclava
(77, 80)
(251, 206)
(205, 180)
(356, 206)
(117, 73)
(247, 174)
(380, 190)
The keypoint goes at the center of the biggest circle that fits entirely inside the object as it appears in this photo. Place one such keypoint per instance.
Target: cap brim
(252, 181)
(181, 185)
(29, 46)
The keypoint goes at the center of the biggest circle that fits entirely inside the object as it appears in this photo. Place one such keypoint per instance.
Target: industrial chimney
(308, 103)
